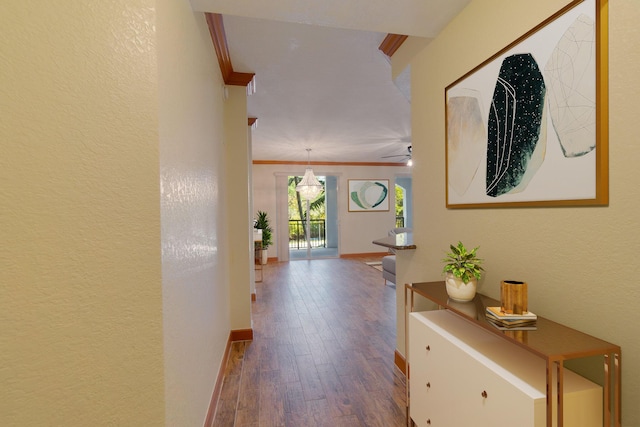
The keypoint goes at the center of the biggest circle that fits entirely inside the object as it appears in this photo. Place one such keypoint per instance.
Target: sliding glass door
(313, 225)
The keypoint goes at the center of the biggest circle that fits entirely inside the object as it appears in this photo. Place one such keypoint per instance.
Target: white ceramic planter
(459, 291)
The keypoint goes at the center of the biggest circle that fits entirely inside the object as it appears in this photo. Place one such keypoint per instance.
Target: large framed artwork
(368, 195)
(529, 126)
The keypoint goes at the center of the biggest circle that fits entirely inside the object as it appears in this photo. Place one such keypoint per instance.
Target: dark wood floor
(322, 354)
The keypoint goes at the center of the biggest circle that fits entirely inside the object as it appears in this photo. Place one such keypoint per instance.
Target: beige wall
(357, 229)
(577, 261)
(195, 280)
(116, 304)
(80, 271)
(237, 202)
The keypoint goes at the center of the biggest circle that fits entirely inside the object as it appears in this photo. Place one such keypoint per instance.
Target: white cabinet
(462, 375)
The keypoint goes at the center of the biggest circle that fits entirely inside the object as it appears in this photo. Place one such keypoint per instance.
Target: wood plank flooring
(322, 354)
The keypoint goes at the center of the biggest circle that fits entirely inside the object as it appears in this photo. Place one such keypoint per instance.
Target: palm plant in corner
(462, 271)
(262, 222)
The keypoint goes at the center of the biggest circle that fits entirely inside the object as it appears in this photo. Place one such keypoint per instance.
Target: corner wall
(237, 204)
(576, 260)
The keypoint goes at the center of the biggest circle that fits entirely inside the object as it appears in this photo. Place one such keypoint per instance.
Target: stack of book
(504, 321)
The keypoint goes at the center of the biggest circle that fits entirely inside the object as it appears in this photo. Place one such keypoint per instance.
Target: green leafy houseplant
(462, 263)
(262, 222)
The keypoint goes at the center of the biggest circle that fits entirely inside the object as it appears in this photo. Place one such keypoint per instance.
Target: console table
(551, 341)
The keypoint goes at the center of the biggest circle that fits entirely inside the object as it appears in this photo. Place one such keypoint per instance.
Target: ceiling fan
(404, 156)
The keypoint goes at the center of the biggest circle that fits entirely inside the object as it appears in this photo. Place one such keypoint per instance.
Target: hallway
(322, 354)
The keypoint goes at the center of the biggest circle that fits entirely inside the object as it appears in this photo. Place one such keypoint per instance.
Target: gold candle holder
(513, 297)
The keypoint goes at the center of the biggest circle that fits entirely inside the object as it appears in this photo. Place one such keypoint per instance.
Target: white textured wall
(195, 281)
(357, 229)
(80, 272)
(578, 261)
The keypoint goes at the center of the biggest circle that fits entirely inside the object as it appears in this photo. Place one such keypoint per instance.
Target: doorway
(313, 225)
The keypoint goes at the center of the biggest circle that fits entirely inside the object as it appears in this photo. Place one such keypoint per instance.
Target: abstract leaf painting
(528, 127)
(368, 195)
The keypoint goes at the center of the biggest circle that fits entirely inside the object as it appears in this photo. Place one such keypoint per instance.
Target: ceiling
(321, 81)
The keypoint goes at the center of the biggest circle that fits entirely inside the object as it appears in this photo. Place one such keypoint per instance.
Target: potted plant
(262, 222)
(462, 270)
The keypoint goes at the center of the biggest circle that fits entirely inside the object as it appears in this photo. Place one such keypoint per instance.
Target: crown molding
(219, 38)
(391, 43)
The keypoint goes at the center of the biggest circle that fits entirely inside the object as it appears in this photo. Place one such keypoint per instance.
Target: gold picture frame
(521, 130)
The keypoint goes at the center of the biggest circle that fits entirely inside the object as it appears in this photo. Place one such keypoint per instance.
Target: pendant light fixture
(309, 187)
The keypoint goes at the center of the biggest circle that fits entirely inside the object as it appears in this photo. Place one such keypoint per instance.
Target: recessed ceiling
(321, 81)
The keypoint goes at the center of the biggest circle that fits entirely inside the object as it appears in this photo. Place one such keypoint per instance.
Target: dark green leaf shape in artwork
(514, 122)
(383, 195)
